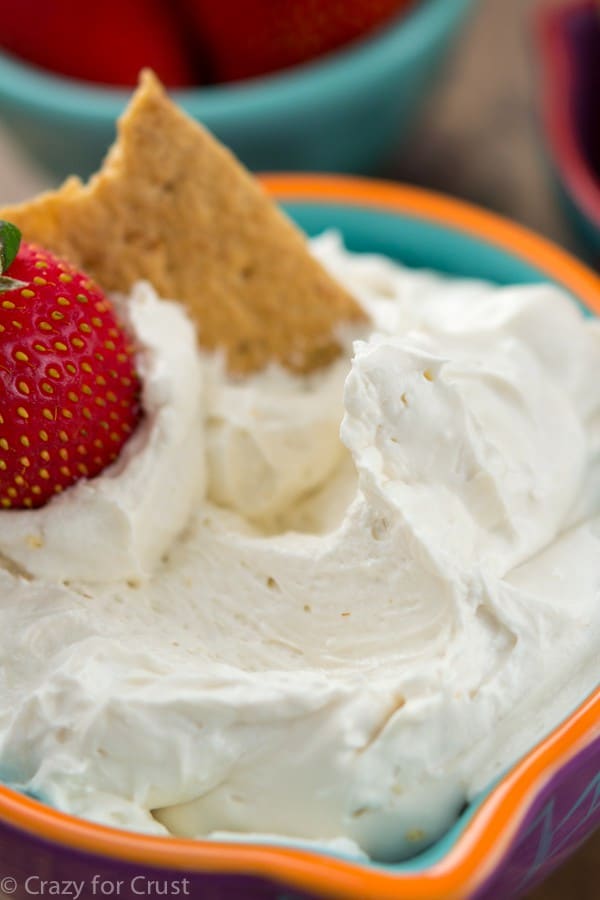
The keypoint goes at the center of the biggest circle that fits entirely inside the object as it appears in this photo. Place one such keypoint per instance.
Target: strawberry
(69, 394)
(246, 38)
(106, 42)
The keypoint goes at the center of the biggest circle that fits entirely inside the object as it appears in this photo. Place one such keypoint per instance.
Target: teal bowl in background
(342, 113)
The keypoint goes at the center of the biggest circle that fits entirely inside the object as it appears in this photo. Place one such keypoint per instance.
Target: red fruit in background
(106, 41)
(69, 393)
(251, 37)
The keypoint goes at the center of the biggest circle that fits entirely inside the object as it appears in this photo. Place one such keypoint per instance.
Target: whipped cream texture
(325, 607)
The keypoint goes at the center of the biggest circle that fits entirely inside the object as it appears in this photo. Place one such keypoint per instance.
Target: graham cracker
(172, 205)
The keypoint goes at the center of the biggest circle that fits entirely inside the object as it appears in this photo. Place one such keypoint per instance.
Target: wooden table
(478, 139)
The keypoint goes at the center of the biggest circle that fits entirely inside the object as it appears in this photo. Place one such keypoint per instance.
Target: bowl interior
(418, 242)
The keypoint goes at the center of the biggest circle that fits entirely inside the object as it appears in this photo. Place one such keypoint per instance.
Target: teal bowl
(509, 837)
(342, 113)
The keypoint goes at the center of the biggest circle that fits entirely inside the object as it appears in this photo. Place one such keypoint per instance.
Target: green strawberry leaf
(10, 238)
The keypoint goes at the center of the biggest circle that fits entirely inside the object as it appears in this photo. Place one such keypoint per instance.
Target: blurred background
(463, 95)
(481, 134)
(494, 101)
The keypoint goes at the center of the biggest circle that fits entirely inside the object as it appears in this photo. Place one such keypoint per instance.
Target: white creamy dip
(329, 607)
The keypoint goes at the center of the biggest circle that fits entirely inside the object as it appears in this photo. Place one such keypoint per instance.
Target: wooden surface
(478, 139)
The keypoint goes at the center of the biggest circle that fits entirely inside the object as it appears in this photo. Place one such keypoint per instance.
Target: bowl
(343, 112)
(569, 48)
(508, 838)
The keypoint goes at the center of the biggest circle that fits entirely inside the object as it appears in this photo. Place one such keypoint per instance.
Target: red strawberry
(250, 37)
(69, 394)
(107, 42)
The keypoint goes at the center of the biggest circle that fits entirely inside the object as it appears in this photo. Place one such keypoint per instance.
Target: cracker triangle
(172, 205)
